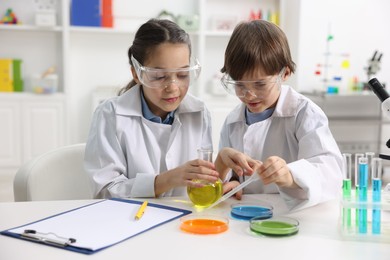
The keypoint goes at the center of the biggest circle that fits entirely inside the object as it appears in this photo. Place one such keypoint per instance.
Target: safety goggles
(162, 78)
(256, 88)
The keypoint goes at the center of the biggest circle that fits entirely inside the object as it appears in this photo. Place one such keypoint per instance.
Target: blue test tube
(376, 177)
(357, 157)
(363, 183)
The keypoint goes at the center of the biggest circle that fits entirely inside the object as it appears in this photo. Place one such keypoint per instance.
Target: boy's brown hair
(255, 45)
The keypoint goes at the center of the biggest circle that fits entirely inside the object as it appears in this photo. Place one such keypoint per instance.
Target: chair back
(55, 175)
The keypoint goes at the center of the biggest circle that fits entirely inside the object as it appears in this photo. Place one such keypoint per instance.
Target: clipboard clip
(47, 238)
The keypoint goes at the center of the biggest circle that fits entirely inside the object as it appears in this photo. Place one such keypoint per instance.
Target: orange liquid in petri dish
(204, 226)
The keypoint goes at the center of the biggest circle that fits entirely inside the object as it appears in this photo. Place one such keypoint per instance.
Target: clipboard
(97, 226)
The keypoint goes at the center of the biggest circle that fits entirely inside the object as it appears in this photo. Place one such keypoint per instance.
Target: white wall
(289, 22)
(359, 28)
(94, 65)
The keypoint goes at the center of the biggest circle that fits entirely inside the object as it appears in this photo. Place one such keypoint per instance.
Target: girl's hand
(184, 174)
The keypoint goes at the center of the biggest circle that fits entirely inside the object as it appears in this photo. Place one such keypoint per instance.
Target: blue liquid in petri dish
(247, 212)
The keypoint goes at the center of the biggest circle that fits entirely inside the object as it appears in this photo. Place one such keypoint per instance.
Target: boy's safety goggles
(256, 88)
(162, 78)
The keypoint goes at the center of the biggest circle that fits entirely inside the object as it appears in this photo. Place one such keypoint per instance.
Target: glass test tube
(205, 154)
(347, 174)
(369, 156)
(363, 183)
(356, 168)
(376, 171)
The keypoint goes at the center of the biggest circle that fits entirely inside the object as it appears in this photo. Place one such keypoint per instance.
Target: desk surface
(318, 237)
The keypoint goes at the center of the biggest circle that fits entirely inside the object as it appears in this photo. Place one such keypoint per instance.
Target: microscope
(384, 97)
(374, 64)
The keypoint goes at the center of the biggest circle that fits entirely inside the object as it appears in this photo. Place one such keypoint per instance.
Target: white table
(318, 237)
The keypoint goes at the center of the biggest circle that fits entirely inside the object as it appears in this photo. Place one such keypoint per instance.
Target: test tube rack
(349, 227)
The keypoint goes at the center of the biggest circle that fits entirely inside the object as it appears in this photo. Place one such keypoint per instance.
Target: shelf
(90, 29)
(100, 30)
(17, 27)
(28, 95)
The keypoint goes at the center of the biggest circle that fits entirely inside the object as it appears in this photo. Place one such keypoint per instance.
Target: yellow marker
(141, 210)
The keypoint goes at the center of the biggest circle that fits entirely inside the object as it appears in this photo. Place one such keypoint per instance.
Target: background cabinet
(30, 125)
(43, 127)
(10, 133)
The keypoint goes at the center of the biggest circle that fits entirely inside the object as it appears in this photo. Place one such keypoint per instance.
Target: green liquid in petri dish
(206, 195)
(274, 228)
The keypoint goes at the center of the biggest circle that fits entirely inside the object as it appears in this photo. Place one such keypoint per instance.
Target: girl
(143, 143)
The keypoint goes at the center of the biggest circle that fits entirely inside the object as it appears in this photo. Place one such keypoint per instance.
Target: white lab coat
(125, 151)
(298, 132)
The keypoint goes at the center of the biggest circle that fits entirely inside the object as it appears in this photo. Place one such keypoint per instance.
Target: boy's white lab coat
(298, 132)
(125, 151)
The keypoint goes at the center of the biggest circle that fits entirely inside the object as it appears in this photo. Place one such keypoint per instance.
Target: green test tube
(347, 183)
(357, 157)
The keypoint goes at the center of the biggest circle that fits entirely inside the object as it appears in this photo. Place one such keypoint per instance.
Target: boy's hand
(231, 185)
(274, 169)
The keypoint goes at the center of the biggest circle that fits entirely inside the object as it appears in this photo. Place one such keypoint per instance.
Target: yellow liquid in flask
(206, 195)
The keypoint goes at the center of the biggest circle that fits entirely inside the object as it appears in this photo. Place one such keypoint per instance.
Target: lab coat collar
(286, 106)
(288, 101)
(129, 103)
(190, 104)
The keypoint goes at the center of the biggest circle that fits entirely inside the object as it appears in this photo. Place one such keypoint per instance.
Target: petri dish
(204, 224)
(261, 210)
(277, 226)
